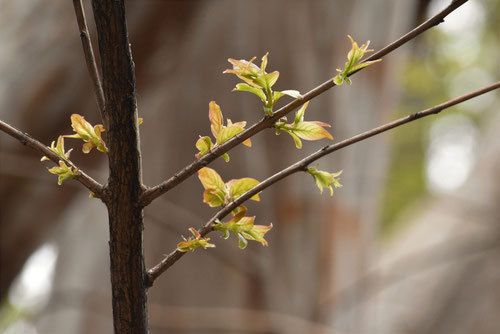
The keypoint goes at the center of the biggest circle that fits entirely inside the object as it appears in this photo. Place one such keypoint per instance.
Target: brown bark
(125, 182)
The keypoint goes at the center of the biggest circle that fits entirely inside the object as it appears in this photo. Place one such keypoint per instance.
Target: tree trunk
(125, 183)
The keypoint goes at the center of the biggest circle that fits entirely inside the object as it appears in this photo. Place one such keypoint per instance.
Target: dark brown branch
(89, 56)
(29, 141)
(128, 272)
(154, 192)
(301, 165)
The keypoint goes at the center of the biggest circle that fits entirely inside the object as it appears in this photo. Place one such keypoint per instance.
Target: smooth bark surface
(124, 184)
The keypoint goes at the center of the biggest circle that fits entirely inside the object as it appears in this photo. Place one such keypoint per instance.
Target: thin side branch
(152, 193)
(301, 165)
(29, 141)
(89, 56)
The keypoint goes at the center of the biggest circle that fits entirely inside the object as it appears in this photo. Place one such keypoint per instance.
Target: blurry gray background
(409, 245)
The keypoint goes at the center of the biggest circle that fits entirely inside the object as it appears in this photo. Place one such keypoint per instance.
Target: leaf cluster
(353, 62)
(219, 193)
(325, 179)
(220, 132)
(300, 129)
(196, 241)
(259, 82)
(91, 135)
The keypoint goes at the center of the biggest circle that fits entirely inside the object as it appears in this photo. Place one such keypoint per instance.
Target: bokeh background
(410, 244)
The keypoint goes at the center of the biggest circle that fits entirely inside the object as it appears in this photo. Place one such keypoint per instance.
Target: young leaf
(246, 71)
(227, 133)
(58, 149)
(257, 233)
(242, 242)
(90, 135)
(338, 79)
(242, 87)
(210, 179)
(290, 92)
(213, 197)
(324, 179)
(189, 245)
(215, 116)
(221, 133)
(255, 77)
(263, 64)
(225, 234)
(239, 213)
(241, 186)
(271, 79)
(299, 115)
(296, 139)
(353, 58)
(204, 145)
(63, 171)
(311, 130)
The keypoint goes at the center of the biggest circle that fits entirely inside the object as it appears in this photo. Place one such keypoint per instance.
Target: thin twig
(152, 193)
(89, 57)
(301, 165)
(29, 141)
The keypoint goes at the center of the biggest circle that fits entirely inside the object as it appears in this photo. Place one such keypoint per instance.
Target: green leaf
(363, 65)
(210, 179)
(244, 228)
(247, 88)
(263, 64)
(257, 233)
(215, 116)
(352, 65)
(277, 95)
(225, 156)
(311, 130)
(246, 71)
(213, 197)
(90, 135)
(271, 79)
(325, 179)
(189, 245)
(63, 171)
(227, 133)
(299, 115)
(225, 234)
(242, 242)
(239, 213)
(240, 186)
(58, 149)
(296, 139)
(338, 80)
(204, 145)
(253, 75)
(244, 224)
(293, 93)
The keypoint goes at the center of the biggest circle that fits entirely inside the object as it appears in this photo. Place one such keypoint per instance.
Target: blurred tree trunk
(319, 244)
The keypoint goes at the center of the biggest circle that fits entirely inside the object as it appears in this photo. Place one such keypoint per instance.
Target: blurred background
(410, 244)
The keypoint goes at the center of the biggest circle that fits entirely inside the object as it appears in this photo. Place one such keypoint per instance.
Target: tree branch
(152, 193)
(29, 141)
(126, 244)
(89, 56)
(301, 165)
